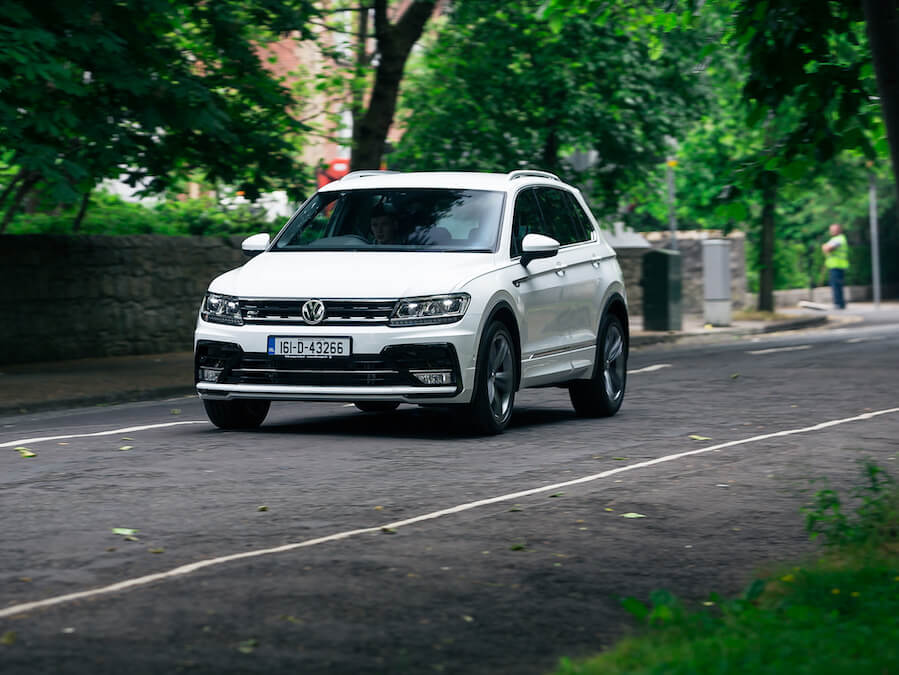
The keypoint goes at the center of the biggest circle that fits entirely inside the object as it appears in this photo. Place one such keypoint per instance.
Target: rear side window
(561, 221)
(582, 223)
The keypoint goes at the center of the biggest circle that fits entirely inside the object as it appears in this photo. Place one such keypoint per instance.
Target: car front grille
(337, 312)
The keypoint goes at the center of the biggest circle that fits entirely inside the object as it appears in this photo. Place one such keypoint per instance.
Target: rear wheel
(238, 414)
(601, 395)
(376, 406)
(497, 374)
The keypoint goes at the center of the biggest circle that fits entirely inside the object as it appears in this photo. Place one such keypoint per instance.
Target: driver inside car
(384, 227)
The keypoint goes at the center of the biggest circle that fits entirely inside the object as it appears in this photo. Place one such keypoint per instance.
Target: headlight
(430, 310)
(221, 309)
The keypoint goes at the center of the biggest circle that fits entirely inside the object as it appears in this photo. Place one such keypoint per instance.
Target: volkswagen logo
(313, 312)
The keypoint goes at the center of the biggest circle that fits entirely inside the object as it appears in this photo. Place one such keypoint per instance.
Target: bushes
(110, 215)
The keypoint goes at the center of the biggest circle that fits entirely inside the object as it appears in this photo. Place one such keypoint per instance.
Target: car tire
(496, 379)
(376, 406)
(602, 394)
(239, 414)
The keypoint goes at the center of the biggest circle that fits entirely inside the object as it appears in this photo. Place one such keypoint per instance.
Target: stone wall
(69, 297)
(689, 244)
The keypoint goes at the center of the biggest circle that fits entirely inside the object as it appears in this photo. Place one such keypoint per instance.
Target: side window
(560, 224)
(583, 226)
(525, 219)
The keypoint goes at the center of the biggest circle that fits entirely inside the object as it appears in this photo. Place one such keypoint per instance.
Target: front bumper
(225, 370)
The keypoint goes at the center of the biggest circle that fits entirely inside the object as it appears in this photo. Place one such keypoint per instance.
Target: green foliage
(873, 520)
(504, 86)
(153, 89)
(839, 614)
(109, 215)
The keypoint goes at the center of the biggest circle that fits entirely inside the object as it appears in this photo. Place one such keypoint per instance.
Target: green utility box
(661, 290)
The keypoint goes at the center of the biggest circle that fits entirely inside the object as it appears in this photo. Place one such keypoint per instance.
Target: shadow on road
(406, 422)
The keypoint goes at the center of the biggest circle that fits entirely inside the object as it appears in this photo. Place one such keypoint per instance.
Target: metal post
(672, 222)
(875, 246)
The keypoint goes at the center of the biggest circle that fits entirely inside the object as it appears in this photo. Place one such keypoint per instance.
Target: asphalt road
(468, 575)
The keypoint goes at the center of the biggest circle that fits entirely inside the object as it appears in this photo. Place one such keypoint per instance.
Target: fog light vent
(210, 374)
(434, 377)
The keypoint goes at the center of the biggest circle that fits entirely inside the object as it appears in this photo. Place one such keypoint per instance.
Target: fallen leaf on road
(620, 459)
(379, 508)
(262, 508)
(156, 550)
(632, 515)
(247, 646)
(516, 547)
(735, 376)
(515, 508)
(25, 452)
(467, 619)
(558, 494)
(608, 509)
(124, 531)
(126, 447)
(176, 411)
(9, 638)
(388, 530)
(697, 437)
(127, 438)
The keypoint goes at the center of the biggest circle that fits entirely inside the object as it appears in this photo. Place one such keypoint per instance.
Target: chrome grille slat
(343, 312)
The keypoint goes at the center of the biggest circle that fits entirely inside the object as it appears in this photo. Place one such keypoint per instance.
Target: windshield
(410, 219)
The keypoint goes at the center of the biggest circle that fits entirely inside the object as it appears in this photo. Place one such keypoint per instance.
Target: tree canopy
(146, 88)
(503, 86)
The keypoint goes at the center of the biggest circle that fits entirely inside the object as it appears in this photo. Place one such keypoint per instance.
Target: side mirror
(535, 246)
(256, 244)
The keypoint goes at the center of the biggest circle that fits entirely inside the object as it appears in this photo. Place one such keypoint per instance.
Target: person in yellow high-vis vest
(836, 259)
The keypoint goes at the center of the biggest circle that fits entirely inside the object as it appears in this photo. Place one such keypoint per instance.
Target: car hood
(352, 274)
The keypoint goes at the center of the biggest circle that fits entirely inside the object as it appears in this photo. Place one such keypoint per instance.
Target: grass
(758, 315)
(837, 614)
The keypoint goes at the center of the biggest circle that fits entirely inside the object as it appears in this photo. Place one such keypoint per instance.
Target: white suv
(451, 289)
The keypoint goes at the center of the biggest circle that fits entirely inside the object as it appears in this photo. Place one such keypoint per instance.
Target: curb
(112, 398)
(644, 340)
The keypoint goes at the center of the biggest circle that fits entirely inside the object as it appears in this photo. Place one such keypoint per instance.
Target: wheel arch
(502, 311)
(617, 306)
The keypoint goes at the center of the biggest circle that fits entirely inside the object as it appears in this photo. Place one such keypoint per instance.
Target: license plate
(309, 347)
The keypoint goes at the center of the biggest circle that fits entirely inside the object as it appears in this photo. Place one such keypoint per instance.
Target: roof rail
(352, 175)
(521, 173)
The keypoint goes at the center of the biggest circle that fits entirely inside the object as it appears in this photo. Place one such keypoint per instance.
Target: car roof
(460, 180)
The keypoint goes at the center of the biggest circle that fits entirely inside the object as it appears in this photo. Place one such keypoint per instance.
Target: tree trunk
(85, 199)
(882, 24)
(21, 192)
(766, 252)
(394, 42)
(10, 186)
(550, 151)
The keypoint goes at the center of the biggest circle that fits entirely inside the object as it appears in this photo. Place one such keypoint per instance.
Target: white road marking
(780, 349)
(125, 430)
(649, 369)
(193, 567)
(863, 339)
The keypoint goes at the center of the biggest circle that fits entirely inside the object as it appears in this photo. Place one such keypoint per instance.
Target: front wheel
(496, 377)
(601, 395)
(238, 414)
